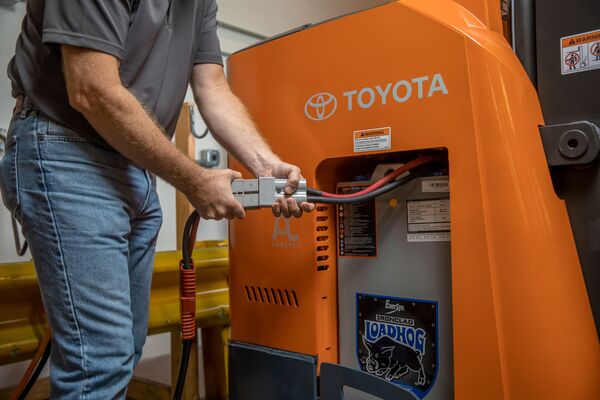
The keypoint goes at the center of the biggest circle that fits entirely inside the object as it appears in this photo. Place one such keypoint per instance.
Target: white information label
(434, 227)
(580, 53)
(436, 186)
(429, 237)
(428, 220)
(372, 140)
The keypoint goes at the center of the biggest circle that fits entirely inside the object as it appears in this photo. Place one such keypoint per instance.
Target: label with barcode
(436, 186)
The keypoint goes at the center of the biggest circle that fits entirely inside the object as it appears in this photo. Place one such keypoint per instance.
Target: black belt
(23, 106)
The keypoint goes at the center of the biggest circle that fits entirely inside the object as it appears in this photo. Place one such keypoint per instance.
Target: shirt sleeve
(93, 24)
(209, 49)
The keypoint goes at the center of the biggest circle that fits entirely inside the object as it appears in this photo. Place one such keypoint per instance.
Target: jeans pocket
(9, 177)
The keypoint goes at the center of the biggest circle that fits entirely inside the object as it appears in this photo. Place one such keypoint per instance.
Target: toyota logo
(320, 106)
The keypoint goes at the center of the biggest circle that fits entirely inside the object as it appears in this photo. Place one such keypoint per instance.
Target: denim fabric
(91, 218)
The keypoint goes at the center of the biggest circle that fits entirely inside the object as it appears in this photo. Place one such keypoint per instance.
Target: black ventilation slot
(323, 252)
(273, 296)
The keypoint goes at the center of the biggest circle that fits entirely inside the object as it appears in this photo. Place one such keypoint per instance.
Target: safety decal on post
(580, 52)
(372, 140)
(397, 340)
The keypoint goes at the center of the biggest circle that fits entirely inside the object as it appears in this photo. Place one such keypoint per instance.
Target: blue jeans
(91, 218)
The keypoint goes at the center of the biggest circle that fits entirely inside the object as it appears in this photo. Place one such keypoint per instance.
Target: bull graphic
(391, 360)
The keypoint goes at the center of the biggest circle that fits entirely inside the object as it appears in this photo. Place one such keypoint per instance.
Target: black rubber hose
(20, 249)
(186, 249)
(189, 234)
(36, 373)
(183, 366)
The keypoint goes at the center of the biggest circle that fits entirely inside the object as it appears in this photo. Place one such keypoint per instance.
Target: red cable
(388, 178)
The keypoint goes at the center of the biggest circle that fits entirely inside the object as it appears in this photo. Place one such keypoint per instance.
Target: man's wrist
(264, 165)
(193, 178)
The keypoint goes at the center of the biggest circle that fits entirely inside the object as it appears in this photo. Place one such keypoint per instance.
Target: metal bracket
(576, 143)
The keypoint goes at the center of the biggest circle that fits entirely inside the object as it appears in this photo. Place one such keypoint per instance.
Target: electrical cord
(418, 167)
(35, 367)
(187, 296)
(383, 181)
(364, 197)
(20, 249)
(194, 126)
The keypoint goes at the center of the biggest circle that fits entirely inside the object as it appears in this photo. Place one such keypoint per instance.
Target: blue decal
(396, 339)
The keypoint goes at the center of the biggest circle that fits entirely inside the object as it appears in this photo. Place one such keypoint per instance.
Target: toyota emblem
(320, 106)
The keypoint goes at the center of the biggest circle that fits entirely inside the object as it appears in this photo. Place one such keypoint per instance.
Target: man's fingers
(276, 209)
(308, 207)
(285, 210)
(238, 210)
(293, 207)
(293, 179)
(235, 174)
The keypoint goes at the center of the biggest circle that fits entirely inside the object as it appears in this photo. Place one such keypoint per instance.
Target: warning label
(580, 52)
(356, 227)
(372, 140)
(428, 220)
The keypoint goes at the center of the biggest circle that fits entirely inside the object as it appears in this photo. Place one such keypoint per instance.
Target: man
(99, 86)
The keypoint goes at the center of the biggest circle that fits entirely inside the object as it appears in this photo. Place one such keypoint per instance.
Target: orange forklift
(477, 276)
(455, 248)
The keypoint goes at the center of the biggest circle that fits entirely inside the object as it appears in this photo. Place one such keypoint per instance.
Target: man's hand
(235, 130)
(211, 195)
(288, 207)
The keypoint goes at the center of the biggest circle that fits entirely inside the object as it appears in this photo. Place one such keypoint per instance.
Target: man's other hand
(211, 195)
(288, 206)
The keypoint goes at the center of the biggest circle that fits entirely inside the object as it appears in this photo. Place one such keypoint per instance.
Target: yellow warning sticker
(372, 140)
(580, 52)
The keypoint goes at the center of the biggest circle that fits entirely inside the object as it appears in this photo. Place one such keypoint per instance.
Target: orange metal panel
(523, 327)
(487, 11)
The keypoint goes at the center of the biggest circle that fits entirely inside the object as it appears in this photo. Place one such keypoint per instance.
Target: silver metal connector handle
(262, 192)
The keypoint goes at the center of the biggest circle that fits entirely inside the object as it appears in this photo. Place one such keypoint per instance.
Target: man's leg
(76, 203)
(142, 242)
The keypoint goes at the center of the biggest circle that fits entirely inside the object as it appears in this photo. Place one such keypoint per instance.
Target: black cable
(188, 231)
(314, 192)
(193, 123)
(183, 366)
(21, 250)
(36, 373)
(202, 136)
(365, 197)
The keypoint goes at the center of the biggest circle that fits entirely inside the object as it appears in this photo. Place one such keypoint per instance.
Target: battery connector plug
(264, 191)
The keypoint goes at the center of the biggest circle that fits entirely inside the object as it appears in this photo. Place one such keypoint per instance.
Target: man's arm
(235, 130)
(94, 88)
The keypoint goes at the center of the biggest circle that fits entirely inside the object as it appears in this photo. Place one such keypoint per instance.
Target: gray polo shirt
(157, 41)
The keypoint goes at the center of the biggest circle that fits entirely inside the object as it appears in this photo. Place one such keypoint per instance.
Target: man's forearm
(96, 91)
(234, 129)
(126, 126)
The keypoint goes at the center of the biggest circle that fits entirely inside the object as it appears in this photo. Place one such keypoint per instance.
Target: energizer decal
(396, 340)
(323, 105)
